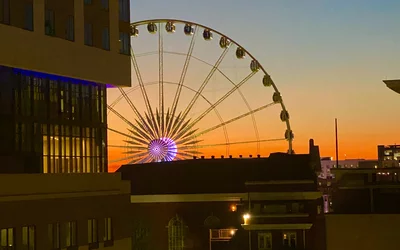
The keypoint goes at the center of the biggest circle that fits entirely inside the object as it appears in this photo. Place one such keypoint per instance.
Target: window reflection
(62, 123)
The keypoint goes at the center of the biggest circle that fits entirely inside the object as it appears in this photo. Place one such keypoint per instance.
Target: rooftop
(215, 175)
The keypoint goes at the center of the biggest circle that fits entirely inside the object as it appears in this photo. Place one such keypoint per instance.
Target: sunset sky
(328, 59)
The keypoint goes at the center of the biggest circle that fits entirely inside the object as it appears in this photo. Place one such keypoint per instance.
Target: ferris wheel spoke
(248, 107)
(140, 80)
(172, 124)
(120, 116)
(145, 128)
(159, 123)
(185, 154)
(137, 140)
(237, 86)
(139, 133)
(120, 97)
(125, 147)
(175, 134)
(150, 119)
(126, 120)
(193, 152)
(233, 143)
(215, 110)
(137, 113)
(205, 82)
(138, 158)
(128, 157)
(131, 152)
(142, 87)
(183, 74)
(145, 159)
(121, 133)
(230, 121)
(161, 77)
(189, 142)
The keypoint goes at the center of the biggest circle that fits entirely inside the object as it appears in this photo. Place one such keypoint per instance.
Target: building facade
(53, 88)
(365, 209)
(80, 211)
(389, 156)
(365, 191)
(256, 203)
(283, 214)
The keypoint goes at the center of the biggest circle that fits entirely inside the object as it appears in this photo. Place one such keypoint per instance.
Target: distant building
(57, 58)
(64, 211)
(368, 164)
(389, 156)
(326, 176)
(365, 209)
(327, 163)
(258, 203)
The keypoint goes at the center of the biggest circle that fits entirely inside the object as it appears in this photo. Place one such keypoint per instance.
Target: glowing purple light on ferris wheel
(163, 149)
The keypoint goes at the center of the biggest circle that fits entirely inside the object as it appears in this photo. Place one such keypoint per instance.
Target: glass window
(28, 16)
(176, 234)
(88, 34)
(70, 234)
(49, 23)
(124, 10)
(107, 229)
(264, 241)
(54, 235)
(92, 231)
(28, 238)
(5, 12)
(124, 43)
(106, 38)
(7, 239)
(70, 28)
(290, 239)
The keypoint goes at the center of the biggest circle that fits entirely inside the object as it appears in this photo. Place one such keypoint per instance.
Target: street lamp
(246, 218)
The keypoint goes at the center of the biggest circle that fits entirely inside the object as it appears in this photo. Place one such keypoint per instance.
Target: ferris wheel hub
(162, 149)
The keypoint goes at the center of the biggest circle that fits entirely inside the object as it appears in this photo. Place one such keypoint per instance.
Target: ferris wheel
(195, 92)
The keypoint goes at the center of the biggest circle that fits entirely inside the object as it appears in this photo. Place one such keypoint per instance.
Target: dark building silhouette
(257, 203)
(365, 209)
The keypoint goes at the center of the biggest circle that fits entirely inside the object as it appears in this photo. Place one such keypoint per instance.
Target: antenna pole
(337, 145)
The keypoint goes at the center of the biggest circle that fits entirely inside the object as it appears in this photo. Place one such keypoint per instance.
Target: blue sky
(327, 57)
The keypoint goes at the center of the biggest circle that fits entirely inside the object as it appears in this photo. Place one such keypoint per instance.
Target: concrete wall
(35, 51)
(19, 187)
(366, 232)
(41, 199)
(123, 244)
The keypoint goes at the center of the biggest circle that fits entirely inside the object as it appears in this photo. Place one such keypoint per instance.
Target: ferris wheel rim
(195, 27)
(182, 21)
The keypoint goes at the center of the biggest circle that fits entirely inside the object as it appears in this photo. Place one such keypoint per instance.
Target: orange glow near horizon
(319, 81)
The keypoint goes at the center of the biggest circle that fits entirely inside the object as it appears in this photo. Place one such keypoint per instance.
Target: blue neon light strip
(56, 77)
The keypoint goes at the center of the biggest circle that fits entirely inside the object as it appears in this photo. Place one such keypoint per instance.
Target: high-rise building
(57, 58)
